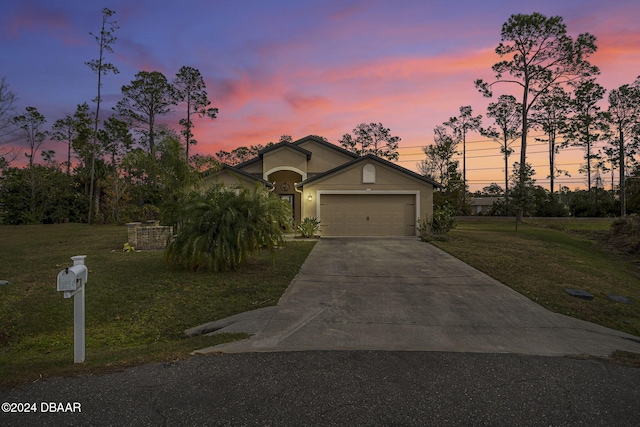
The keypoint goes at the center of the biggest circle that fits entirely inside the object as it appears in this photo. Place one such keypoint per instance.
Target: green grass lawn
(545, 257)
(137, 308)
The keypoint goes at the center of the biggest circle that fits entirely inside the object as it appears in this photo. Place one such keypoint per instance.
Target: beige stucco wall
(323, 158)
(286, 158)
(254, 168)
(388, 181)
(229, 180)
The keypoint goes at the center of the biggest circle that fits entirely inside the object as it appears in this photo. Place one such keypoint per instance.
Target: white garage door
(368, 214)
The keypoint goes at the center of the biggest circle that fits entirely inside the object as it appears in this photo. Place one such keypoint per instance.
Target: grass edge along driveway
(547, 256)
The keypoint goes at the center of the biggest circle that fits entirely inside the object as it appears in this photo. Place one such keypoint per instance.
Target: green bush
(39, 195)
(219, 229)
(424, 228)
(443, 221)
(308, 227)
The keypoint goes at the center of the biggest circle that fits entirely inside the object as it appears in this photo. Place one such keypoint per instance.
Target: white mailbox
(71, 281)
(72, 278)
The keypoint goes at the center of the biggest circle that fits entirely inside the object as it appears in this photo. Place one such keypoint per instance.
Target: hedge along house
(351, 195)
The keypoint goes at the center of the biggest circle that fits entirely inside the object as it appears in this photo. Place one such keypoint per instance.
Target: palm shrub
(308, 227)
(219, 229)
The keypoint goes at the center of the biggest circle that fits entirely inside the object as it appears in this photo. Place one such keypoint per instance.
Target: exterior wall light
(310, 197)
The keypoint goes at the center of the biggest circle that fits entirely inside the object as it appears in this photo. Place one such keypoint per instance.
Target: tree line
(114, 168)
(126, 166)
(555, 92)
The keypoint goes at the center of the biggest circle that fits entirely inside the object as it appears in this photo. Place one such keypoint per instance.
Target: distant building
(481, 205)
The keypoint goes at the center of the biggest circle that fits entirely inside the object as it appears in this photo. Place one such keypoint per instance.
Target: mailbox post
(71, 281)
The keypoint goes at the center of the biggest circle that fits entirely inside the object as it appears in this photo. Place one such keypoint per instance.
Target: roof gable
(297, 145)
(284, 145)
(234, 170)
(318, 140)
(377, 159)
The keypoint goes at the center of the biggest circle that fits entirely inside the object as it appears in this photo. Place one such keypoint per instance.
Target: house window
(233, 190)
(369, 174)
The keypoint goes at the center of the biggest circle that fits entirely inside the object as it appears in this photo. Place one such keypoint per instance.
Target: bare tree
(105, 39)
(7, 125)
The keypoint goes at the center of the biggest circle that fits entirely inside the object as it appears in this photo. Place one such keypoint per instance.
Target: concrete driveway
(403, 294)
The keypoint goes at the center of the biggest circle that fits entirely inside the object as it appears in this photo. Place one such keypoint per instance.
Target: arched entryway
(285, 181)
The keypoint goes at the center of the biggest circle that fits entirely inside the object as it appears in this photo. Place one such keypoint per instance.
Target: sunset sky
(305, 67)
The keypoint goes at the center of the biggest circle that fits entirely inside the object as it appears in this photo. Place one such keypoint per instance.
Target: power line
(501, 155)
(475, 141)
(497, 149)
(477, 149)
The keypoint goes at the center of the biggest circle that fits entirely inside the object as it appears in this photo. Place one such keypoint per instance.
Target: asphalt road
(343, 388)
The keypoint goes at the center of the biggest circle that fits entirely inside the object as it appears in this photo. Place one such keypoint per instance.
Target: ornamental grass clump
(308, 227)
(219, 229)
(624, 235)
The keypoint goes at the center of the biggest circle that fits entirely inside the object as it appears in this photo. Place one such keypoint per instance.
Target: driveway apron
(403, 294)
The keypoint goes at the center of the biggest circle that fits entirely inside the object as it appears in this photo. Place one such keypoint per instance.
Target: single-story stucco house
(351, 195)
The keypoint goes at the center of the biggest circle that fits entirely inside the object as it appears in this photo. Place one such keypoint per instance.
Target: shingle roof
(233, 169)
(325, 143)
(370, 157)
(285, 145)
(295, 145)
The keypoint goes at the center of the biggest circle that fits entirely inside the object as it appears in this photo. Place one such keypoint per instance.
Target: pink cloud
(233, 92)
(304, 103)
(138, 57)
(225, 134)
(246, 87)
(347, 12)
(398, 93)
(33, 18)
(29, 18)
(618, 58)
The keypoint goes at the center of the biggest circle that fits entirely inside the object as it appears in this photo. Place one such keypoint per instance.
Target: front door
(284, 182)
(290, 200)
